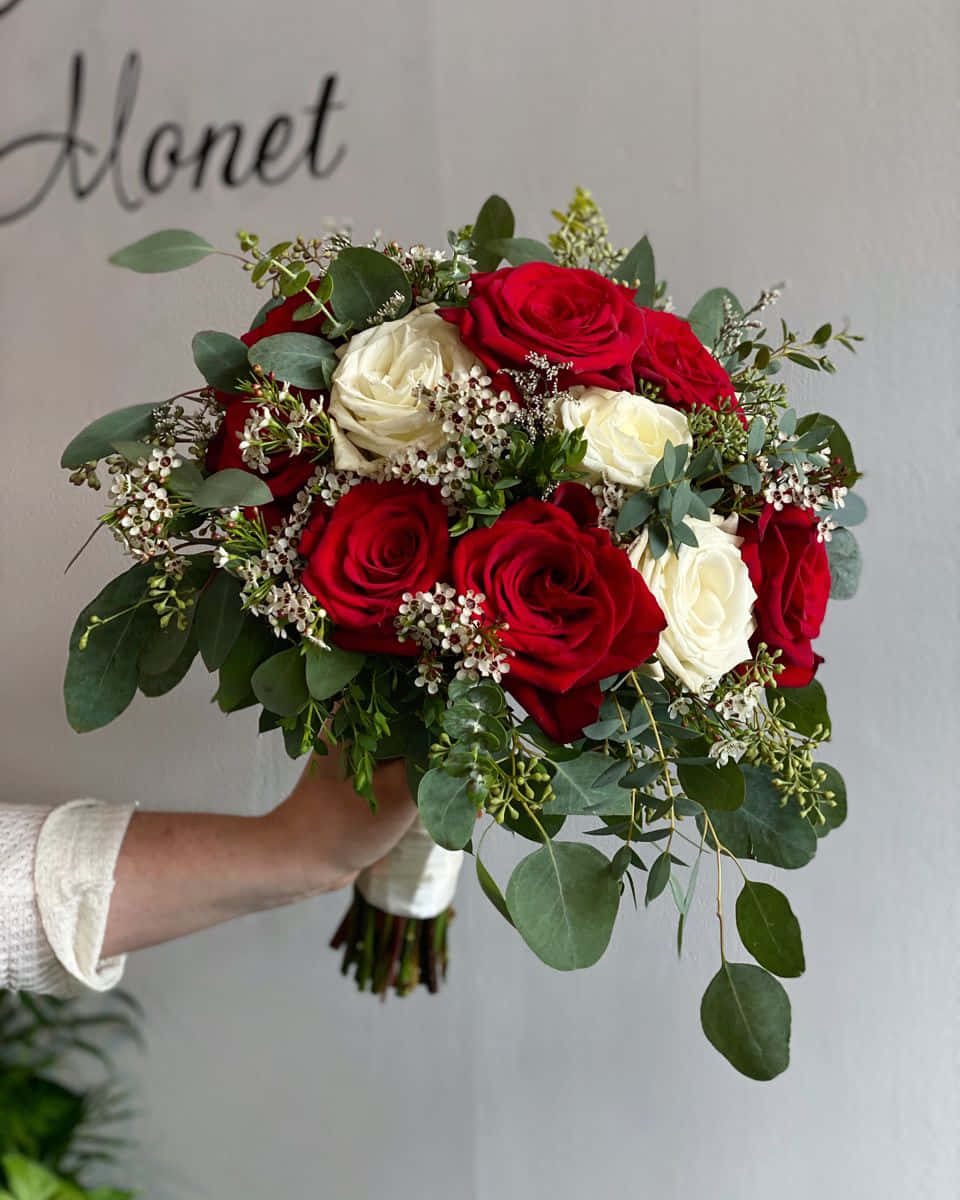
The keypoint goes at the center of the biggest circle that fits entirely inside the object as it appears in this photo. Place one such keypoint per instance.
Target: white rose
(373, 393)
(625, 433)
(707, 597)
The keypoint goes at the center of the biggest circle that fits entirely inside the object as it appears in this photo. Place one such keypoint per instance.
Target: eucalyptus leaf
(714, 787)
(168, 250)
(763, 828)
(301, 360)
(159, 683)
(219, 618)
(853, 512)
(563, 900)
(843, 553)
(98, 439)
(658, 877)
(165, 647)
(364, 280)
(769, 930)
(280, 683)
(637, 269)
(805, 708)
(446, 809)
(220, 358)
(494, 222)
(518, 251)
(329, 671)
(231, 488)
(252, 646)
(101, 679)
(745, 1014)
(836, 813)
(576, 792)
(707, 315)
(524, 825)
(489, 887)
(634, 512)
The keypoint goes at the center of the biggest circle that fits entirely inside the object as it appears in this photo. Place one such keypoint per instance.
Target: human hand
(329, 831)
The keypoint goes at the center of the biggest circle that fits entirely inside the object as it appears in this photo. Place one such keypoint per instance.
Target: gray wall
(754, 141)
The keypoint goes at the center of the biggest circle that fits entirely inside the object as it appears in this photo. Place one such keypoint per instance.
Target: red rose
(791, 576)
(379, 541)
(287, 474)
(575, 609)
(672, 356)
(565, 314)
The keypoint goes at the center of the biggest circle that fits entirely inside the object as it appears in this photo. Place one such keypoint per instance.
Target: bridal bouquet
(562, 549)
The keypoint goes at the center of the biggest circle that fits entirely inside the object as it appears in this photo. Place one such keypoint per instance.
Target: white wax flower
(373, 393)
(707, 597)
(625, 433)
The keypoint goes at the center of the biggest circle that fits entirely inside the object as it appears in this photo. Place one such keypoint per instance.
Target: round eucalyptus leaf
(280, 684)
(302, 360)
(329, 671)
(563, 900)
(220, 358)
(763, 828)
(364, 280)
(168, 250)
(745, 1014)
(713, 787)
(769, 929)
(804, 707)
(446, 809)
(231, 488)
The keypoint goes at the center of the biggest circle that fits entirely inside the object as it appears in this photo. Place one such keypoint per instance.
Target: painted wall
(754, 141)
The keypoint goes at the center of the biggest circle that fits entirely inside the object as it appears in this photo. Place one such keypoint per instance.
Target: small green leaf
(769, 930)
(713, 787)
(231, 488)
(165, 681)
(854, 511)
(836, 813)
(364, 280)
(168, 250)
(219, 618)
(99, 438)
(658, 877)
(707, 315)
(494, 221)
(757, 435)
(220, 358)
(846, 563)
(634, 512)
(563, 900)
(745, 1014)
(804, 707)
(518, 251)
(280, 683)
(446, 809)
(264, 309)
(329, 671)
(302, 360)
(637, 269)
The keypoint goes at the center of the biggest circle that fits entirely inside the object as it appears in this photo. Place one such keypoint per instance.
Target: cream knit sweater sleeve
(56, 878)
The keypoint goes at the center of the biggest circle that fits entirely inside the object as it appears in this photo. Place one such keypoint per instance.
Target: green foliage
(301, 360)
(745, 1013)
(252, 645)
(219, 618)
(846, 563)
(107, 637)
(637, 269)
(577, 792)
(518, 251)
(708, 315)
(329, 671)
(158, 683)
(446, 809)
(714, 787)
(764, 828)
(168, 250)
(492, 892)
(494, 222)
(280, 683)
(769, 930)
(563, 900)
(834, 813)
(99, 438)
(804, 708)
(220, 358)
(364, 281)
(231, 488)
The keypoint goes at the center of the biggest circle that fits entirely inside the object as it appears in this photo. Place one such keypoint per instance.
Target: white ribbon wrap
(416, 879)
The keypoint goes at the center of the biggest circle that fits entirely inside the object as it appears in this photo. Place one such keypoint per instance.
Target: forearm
(181, 872)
